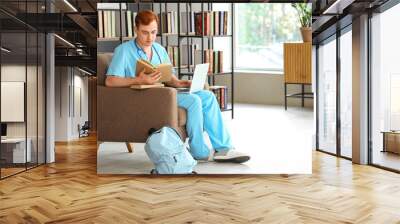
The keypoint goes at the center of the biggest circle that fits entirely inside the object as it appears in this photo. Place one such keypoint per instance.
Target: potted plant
(304, 13)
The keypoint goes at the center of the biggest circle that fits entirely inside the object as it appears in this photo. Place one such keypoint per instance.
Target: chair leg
(129, 146)
(98, 144)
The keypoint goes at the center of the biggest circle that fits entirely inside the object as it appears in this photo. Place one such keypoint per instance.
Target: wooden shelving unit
(180, 38)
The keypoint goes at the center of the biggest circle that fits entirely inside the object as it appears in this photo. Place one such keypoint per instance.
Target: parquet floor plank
(70, 191)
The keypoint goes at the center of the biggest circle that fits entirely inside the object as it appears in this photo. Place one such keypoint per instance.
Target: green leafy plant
(304, 12)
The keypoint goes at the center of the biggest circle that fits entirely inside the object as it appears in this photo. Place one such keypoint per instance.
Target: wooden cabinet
(391, 141)
(297, 69)
(297, 63)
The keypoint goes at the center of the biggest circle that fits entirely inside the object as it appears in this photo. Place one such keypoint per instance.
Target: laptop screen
(199, 77)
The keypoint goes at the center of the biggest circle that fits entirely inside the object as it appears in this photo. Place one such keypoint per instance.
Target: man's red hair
(145, 17)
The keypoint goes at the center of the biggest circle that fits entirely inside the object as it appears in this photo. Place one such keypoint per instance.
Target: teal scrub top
(123, 63)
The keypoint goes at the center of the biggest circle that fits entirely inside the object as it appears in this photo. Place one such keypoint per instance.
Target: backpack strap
(153, 130)
(175, 131)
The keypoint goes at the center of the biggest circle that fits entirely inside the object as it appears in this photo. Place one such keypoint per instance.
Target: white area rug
(278, 141)
(114, 158)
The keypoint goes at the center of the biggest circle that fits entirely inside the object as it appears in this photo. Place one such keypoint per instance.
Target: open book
(157, 85)
(165, 69)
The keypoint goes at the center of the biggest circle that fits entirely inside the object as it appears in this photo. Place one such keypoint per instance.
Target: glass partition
(14, 154)
(41, 109)
(385, 89)
(22, 89)
(32, 95)
(327, 95)
(346, 93)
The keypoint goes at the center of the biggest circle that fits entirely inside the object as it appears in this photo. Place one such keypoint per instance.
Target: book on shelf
(225, 23)
(100, 24)
(123, 24)
(113, 27)
(214, 60)
(169, 23)
(215, 22)
(175, 22)
(129, 23)
(220, 62)
(105, 23)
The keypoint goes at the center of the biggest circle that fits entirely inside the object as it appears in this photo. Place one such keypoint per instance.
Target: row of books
(215, 22)
(221, 93)
(191, 55)
(110, 23)
(113, 24)
(211, 23)
(173, 55)
(168, 22)
(215, 58)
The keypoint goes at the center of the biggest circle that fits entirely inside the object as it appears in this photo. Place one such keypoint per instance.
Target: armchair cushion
(126, 115)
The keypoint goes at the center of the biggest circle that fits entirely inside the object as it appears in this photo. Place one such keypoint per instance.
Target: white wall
(71, 94)
(263, 88)
(34, 124)
(16, 72)
(61, 103)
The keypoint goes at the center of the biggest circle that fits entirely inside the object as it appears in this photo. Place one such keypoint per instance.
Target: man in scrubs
(203, 112)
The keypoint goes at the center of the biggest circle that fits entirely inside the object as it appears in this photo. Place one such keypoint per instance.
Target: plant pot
(306, 33)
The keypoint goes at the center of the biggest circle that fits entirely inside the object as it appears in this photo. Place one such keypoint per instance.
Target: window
(261, 29)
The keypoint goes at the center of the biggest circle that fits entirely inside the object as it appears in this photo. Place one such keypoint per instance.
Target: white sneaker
(231, 155)
(207, 159)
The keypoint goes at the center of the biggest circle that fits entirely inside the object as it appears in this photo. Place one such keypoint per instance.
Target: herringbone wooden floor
(70, 191)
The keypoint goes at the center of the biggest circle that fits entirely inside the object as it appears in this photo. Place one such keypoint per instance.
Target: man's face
(146, 34)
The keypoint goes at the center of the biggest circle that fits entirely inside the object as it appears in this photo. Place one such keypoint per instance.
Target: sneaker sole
(240, 159)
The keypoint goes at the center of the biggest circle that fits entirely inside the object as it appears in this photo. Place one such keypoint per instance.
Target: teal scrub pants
(204, 114)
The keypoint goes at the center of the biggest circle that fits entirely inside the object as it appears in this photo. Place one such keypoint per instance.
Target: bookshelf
(191, 33)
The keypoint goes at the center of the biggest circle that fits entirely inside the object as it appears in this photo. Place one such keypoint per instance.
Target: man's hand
(183, 83)
(179, 83)
(148, 79)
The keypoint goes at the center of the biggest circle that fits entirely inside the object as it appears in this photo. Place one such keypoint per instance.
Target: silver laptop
(199, 79)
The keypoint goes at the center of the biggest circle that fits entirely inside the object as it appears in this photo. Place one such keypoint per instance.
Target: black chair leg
(285, 96)
(302, 95)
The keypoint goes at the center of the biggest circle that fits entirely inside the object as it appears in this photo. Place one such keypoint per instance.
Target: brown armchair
(126, 115)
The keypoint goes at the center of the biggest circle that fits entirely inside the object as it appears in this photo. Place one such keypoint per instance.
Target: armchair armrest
(126, 115)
